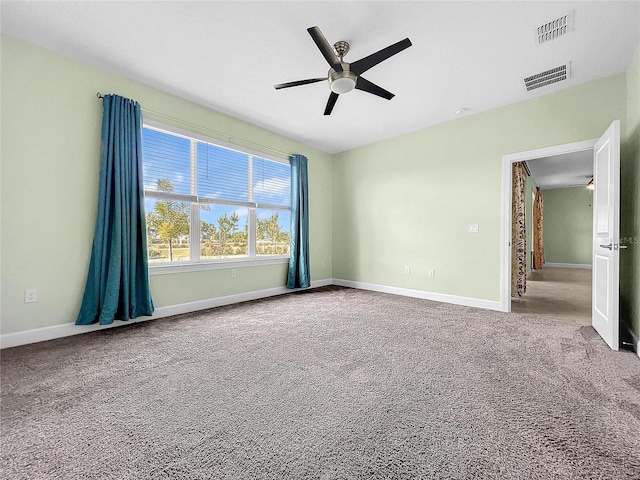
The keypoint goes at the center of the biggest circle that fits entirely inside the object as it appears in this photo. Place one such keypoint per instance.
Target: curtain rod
(217, 132)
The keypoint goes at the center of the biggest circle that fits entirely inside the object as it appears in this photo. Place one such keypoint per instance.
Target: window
(209, 203)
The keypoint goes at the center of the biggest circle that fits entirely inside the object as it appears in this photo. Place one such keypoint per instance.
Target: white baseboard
(407, 292)
(569, 265)
(68, 329)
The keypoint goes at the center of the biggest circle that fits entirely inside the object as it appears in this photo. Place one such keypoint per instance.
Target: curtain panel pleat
(299, 275)
(518, 233)
(118, 279)
(538, 238)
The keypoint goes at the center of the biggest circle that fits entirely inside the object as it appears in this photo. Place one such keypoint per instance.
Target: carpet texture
(331, 384)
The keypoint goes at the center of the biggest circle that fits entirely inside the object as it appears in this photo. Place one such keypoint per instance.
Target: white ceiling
(228, 55)
(559, 171)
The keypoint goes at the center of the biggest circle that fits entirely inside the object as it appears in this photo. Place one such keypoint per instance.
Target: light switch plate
(474, 228)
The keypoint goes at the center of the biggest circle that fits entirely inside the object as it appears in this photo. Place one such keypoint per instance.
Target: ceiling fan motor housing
(342, 82)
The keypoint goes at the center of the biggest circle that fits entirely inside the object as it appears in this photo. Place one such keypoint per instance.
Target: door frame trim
(505, 227)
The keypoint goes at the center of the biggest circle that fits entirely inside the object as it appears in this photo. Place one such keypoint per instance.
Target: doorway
(605, 311)
(557, 189)
(507, 163)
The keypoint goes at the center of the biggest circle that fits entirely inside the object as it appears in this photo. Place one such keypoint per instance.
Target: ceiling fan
(344, 77)
(590, 185)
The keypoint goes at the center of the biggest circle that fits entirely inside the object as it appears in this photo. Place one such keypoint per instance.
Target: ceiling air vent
(553, 75)
(555, 28)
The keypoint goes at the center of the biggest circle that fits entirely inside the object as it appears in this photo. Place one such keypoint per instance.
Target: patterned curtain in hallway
(538, 242)
(518, 233)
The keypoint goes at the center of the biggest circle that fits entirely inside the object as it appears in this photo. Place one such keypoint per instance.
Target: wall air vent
(553, 75)
(555, 28)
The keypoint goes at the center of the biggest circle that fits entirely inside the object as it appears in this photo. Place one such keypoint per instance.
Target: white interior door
(606, 235)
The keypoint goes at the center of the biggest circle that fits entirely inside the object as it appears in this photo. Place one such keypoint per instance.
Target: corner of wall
(630, 202)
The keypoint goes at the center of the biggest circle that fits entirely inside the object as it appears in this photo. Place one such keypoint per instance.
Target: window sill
(167, 268)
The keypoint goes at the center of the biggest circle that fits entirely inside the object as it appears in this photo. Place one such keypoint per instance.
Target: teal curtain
(299, 276)
(118, 279)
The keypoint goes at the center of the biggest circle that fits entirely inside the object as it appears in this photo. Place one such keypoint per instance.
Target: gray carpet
(331, 384)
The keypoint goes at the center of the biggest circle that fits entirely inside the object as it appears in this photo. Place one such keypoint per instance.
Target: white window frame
(196, 264)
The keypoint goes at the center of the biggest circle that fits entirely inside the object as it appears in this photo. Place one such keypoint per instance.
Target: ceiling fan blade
(372, 60)
(299, 82)
(366, 86)
(325, 48)
(332, 101)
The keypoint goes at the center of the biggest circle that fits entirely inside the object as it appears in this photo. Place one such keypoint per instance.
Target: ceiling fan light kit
(342, 82)
(344, 77)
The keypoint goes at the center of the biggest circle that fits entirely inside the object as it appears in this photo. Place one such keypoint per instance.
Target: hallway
(560, 293)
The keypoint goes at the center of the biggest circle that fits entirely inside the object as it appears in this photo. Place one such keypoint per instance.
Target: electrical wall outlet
(322, 264)
(432, 273)
(234, 273)
(407, 270)
(31, 295)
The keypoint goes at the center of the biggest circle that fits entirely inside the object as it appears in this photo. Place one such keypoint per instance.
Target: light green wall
(529, 192)
(50, 163)
(568, 225)
(409, 200)
(375, 209)
(630, 203)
